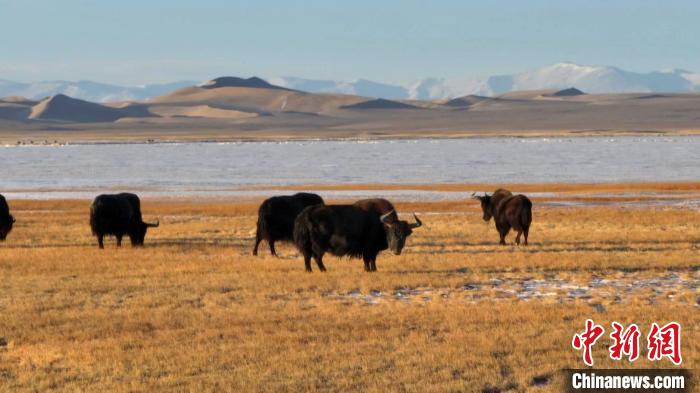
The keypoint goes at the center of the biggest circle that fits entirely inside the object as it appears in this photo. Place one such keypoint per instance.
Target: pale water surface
(232, 168)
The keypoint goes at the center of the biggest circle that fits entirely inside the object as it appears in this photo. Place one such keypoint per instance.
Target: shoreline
(44, 138)
(676, 195)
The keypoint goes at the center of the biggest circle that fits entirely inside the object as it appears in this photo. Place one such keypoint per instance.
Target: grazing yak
(118, 215)
(6, 219)
(276, 217)
(349, 230)
(508, 211)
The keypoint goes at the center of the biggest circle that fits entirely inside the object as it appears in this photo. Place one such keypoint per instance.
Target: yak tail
(263, 218)
(526, 213)
(302, 234)
(94, 225)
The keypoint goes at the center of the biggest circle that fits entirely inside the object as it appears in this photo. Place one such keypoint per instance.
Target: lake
(216, 168)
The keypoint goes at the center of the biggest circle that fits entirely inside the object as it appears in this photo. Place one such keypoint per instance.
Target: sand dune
(17, 112)
(379, 103)
(15, 108)
(18, 100)
(199, 111)
(258, 99)
(252, 108)
(64, 108)
(527, 94)
(232, 81)
(570, 92)
(465, 101)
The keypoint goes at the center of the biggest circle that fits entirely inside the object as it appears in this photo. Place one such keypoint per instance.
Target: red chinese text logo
(625, 342)
(663, 342)
(587, 339)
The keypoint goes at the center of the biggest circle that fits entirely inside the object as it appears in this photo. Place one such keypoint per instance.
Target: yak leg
(272, 247)
(368, 263)
(101, 241)
(502, 232)
(517, 237)
(307, 262)
(258, 239)
(526, 231)
(119, 240)
(503, 235)
(319, 262)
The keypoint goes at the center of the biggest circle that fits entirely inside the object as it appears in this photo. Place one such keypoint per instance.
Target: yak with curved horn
(349, 230)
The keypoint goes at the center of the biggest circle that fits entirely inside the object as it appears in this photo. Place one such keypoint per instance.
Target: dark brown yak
(276, 217)
(118, 215)
(378, 206)
(6, 219)
(350, 230)
(508, 211)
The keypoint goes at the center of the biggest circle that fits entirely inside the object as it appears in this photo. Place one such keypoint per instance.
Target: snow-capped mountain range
(595, 79)
(87, 90)
(590, 79)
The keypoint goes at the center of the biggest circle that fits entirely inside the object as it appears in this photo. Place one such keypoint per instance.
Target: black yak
(118, 215)
(276, 217)
(508, 211)
(349, 230)
(6, 219)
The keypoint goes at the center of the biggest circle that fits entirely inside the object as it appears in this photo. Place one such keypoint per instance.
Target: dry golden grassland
(194, 311)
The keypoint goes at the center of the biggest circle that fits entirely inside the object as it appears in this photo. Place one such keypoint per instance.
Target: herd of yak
(360, 230)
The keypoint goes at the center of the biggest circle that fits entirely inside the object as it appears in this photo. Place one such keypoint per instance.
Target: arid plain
(230, 108)
(193, 310)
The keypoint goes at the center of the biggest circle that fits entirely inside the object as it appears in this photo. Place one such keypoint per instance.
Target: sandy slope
(258, 99)
(234, 108)
(61, 107)
(199, 111)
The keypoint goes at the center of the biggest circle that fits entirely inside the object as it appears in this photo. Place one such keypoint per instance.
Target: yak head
(139, 234)
(6, 227)
(397, 230)
(485, 205)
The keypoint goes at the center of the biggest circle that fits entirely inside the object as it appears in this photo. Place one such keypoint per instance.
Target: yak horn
(386, 218)
(474, 195)
(13, 220)
(417, 223)
(156, 225)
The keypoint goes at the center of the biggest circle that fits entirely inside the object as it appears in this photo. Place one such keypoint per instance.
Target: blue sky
(134, 42)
